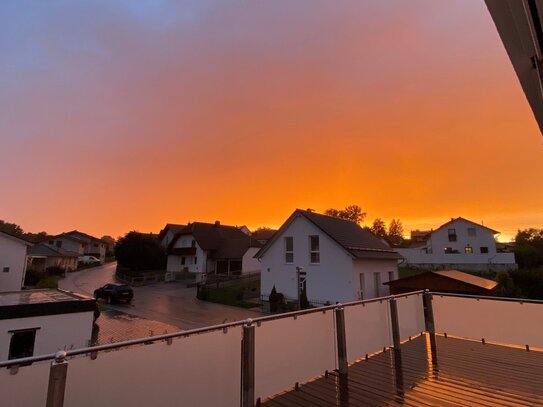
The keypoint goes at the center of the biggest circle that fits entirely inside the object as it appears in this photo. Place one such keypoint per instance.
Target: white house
(211, 248)
(458, 244)
(13, 253)
(342, 261)
(79, 242)
(37, 322)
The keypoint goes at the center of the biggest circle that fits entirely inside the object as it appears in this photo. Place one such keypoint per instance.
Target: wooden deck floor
(465, 374)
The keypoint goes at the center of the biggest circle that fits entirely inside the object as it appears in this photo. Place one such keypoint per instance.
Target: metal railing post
(428, 312)
(57, 380)
(341, 342)
(395, 324)
(429, 323)
(248, 365)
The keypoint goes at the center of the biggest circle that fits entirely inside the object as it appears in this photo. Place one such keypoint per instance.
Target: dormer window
(452, 235)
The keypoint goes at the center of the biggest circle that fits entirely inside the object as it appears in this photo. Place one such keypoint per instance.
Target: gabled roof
(263, 234)
(44, 250)
(465, 220)
(175, 228)
(457, 275)
(357, 241)
(81, 235)
(15, 238)
(221, 241)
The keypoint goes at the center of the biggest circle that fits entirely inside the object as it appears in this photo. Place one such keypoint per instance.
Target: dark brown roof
(263, 234)
(456, 275)
(221, 241)
(468, 278)
(81, 235)
(359, 242)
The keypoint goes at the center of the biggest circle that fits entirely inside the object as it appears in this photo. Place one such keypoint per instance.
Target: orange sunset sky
(122, 115)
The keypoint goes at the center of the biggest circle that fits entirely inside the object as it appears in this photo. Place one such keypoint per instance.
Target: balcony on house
(411, 349)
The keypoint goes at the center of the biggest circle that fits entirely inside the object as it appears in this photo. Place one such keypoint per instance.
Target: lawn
(234, 295)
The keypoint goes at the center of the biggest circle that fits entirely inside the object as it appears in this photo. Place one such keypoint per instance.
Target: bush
(138, 251)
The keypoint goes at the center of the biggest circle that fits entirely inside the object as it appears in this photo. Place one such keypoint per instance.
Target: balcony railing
(239, 363)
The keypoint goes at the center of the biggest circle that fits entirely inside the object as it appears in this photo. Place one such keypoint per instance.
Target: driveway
(170, 303)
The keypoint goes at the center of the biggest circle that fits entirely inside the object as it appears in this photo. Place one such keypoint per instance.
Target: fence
(237, 364)
(140, 279)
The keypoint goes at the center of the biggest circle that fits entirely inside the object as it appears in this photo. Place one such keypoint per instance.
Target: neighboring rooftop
(174, 228)
(43, 250)
(359, 242)
(28, 303)
(15, 238)
(453, 281)
(222, 241)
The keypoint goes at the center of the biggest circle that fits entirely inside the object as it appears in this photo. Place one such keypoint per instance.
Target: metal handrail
(481, 297)
(196, 331)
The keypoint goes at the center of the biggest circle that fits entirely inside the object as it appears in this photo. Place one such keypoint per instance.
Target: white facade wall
(249, 263)
(372, 286)
(12, 255)
(331, 280)
(167, 238)
(56, 332)
(439, 239)
(174, 261)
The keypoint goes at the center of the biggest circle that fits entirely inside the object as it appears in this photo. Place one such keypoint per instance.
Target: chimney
(217, 223)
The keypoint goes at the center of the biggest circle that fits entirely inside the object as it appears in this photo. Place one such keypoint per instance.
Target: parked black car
(115, 292)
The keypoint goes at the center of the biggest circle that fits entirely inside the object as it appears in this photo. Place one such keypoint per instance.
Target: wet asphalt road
(170, 303)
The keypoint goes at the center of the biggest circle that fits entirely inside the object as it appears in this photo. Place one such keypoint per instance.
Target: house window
(183, 260)
(195, 259)
(314, 250)
(5, 270)
(193, 243)
(362, 286)
(468, 250)
(289, 249)
(390, 275)
(452, 235)
(472, 232)
(95, 245)
(377, 281)
(21, 344)
(59, 243)
(484, 249)
(51, 242)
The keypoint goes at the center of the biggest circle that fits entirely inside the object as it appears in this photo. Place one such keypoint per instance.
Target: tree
(395, 232)
(15, 230)
(379, 228)
(353, 213)
(139, 251)
(529, 248)
(110, 244)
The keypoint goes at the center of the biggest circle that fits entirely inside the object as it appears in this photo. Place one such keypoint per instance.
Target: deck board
(467, 373)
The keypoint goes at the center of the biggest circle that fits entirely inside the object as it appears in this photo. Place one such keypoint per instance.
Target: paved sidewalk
(116, 326)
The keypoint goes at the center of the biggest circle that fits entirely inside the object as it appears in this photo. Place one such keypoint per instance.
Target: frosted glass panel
(293, 350)
(367, 328)
(499, 321)
(410, 315)
(199, 370)
(27, 388)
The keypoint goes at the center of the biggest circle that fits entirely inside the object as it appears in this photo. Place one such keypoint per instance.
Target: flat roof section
(29, 303)
(463, 373)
